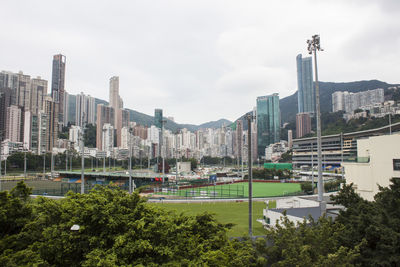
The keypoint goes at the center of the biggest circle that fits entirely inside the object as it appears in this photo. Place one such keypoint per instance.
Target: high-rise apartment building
(306, 91)
(290, 138)
(105, 114)
(338, 100)
(39, 133)
(108, 137)
(58, 83)
(51, 110)
(14, 123)
(38, 94)
(84, 109)
(10, 80)
(239, 139)
(74, 132)
(123, 121)
(351, 101)
(121, 116)
(268, 121)
(5, 102)
(24, 91)
(114, 93)
(303, 124)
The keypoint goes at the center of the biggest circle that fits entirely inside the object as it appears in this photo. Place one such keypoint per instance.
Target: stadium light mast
(314, 46)
(130, 160)
(83, 156)
(250, 175)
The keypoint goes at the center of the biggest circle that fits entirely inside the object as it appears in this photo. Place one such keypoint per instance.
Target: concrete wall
(366, 176)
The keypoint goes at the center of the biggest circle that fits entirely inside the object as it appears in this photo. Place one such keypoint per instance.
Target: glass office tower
(158, 116)
(306, 90)
(268, 122)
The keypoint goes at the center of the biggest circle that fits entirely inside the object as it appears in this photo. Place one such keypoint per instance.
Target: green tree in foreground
(372, 225)
(115, 229)
(306, 244)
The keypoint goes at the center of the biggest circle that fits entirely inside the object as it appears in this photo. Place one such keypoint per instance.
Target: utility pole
(314, 46)
(390, 124)
(249, 163)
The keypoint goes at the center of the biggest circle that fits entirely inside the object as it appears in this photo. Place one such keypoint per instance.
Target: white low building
(296, 210)
(184, 167)
(378, 160)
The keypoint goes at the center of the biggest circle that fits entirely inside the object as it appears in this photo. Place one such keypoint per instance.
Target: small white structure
(378, 160)
(296, 210)
(184, 167)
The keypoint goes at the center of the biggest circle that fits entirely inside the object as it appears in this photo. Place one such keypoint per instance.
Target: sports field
(226, 212)
(237, 190)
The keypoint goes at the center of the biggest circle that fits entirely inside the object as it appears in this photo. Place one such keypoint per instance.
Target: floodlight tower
(83, 155)
(314, 46)
(250, 175)
(130, 160)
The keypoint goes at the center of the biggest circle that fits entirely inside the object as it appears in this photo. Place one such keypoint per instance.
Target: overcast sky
(199, 60)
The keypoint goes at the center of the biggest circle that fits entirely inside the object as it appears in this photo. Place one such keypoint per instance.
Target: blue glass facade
(268, 122)
(306, 90)
(158, 116)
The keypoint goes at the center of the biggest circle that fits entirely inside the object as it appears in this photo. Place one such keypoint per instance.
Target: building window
(396, 164)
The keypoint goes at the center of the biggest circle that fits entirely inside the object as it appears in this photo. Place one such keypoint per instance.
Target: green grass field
(226, 212)
(240, 190)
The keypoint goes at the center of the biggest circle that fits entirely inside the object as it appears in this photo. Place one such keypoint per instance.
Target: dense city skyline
(190, 57)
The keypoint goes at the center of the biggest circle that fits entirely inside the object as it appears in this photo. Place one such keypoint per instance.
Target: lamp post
(250, 163)
(104, 152)
(162, 149)
(130, 160)
(83, 156)
(314, 46)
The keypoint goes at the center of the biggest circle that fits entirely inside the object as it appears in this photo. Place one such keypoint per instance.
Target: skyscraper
(51, 109)
(114, 92)
(5, 102)
(306, 91)
(105, 114)
(303, 124)
(239, 139)
(14, 124)
(268, 121)
(158, 116)
(84, 105)
(290, 138)
(58, 83)
(38, 94)
(10, 80)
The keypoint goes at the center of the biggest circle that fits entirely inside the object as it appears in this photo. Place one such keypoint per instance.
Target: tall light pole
(250, 163)
(83, 157)
(162, 150)
(130, 160)
(314, 46)
(24, 161)
(104, 152)
(44, 164)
